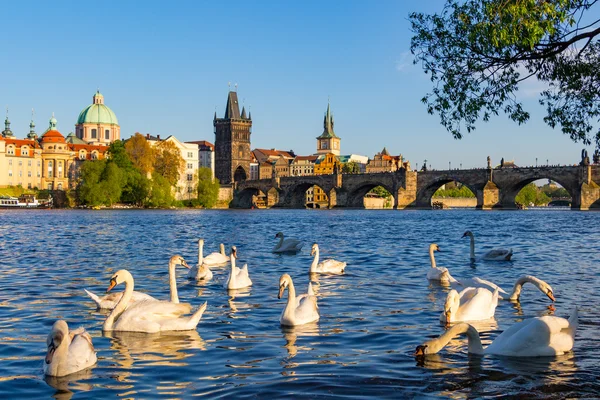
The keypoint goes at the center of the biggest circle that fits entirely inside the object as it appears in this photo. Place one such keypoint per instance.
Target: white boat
(24, 201)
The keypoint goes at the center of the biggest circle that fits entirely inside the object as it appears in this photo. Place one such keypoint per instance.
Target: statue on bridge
(597, 157)
(585, 160)
(489, 162)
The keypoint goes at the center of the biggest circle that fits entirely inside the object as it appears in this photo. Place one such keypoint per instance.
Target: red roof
(18, 143)
(203, 143)
(53, 136)
(308, 158)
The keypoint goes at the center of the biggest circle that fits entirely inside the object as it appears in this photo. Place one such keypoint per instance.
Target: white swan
(148, 316)
(200, 272)
(533, 337)
(436, 273)
(287, 245)
(516, 292)
(472, 304)
(109, 301)
(216, 259)
(329, 266)
(68, 351)
(238, 277)
(493, 255)
(299, 310)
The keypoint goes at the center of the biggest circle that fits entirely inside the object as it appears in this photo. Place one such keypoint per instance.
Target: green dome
(97, 114)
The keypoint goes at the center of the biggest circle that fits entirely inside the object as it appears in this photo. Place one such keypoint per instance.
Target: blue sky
(163, 67)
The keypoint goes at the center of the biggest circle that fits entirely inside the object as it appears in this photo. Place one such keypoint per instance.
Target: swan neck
(313, 266)
(516, 292)
(475, 347)
(222, 249)
(291, 294)
(280, 242)
(432, 258)
(472, 238)
(121, 305)
(232, 273)
(173, 283)
(200, 253)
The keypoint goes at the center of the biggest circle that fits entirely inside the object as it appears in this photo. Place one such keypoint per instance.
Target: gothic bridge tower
(232, 143)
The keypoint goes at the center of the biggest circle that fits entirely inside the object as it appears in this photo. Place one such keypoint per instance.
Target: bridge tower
(232, 142)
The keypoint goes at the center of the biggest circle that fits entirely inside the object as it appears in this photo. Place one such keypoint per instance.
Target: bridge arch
(509, 194)
(247, 198)
(296, 197)
(357, 195)
(425, 194)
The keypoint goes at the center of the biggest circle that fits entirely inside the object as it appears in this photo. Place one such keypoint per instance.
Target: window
(29, 174)
(94, 155)
(94, 134)
(20, 173)
(29, 185)
(10, 172)
(39, 163)
(241, 151)
(190, 177)
(190, 189)
(60, 186)
(38, 174)
(20, 163)
(82, 155)
(25, 151)
(323, 144)
(29, 163)
(107, 134)
(190, 154)
(335, 145)
(9, 162)
(50, 169)
(59, 165)
(190, 165)
(50, 186)
(10, 150)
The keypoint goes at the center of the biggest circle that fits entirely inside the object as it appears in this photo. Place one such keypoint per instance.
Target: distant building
(232, 143)
(361, 161)
(384, 162)
(326, 164)
(206, 155)
(188, 176)
(303, 165)
(97, 124)
(328, 141)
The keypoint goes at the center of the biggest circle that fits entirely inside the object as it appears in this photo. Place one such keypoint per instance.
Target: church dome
(97, 113)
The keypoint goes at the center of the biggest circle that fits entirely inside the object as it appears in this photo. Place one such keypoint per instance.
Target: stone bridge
(494, 188)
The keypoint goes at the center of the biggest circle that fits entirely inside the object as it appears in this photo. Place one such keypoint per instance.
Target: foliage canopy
(477, 52)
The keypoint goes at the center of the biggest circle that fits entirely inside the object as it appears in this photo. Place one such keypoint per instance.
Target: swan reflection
(236, 306)
(66, 386)
(164, 348)
(292, 333)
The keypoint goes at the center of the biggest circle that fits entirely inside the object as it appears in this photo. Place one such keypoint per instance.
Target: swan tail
(311, 292)
(574, 320)
(195, 318)
(93, 296)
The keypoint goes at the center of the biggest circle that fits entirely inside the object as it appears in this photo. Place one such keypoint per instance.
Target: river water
(372, 317)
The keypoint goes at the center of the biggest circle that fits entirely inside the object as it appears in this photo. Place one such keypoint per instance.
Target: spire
(232, 110)
(328, 124)
(215, 117)
(244, 113)
(32, 135)
(250, 115)
(98, 98)
(7, 132)
(52, 123)
(384, 152)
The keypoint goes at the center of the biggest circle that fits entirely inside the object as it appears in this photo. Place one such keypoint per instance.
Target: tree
(168, 161)
(380, 191)
(351, 167)
(161, 194)
(477, 52)
(140, 153)
(531, 194)
(208, 188)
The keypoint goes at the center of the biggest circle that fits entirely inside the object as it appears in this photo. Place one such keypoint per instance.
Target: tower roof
(328, 125)
(244, 113)
(232, 110)
(97, 113)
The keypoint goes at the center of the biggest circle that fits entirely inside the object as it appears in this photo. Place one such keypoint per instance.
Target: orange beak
(448, 316)
(551, 296)
(112, 284)
(185, 264)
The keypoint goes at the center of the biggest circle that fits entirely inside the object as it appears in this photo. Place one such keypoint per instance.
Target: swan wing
(214, 259)
(289, 245)
(307, 309)
(81, 351)
(110, 300)
(498, 254)
(476, 304)
(331, 266)
(478, 282)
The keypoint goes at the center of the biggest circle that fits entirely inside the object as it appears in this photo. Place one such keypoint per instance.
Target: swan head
(178, 260)
(547, 289)
(434, 247)
(421, 350)
(200, 242)
(467, 233)
(234, 252)
(59, 331)
(118, 277)
(279, 235)
(451, 305)
(314, 249)
(284, 281)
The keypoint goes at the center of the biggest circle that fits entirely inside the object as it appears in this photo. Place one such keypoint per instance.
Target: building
(254, 169)
(279, 159)
(384, 162)
(206, 155)
(361, 161)
(188, 175)
(303, 165)
(97, 124)
(232, 143)
(328, 141)
(20, 160)
(327, 164)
